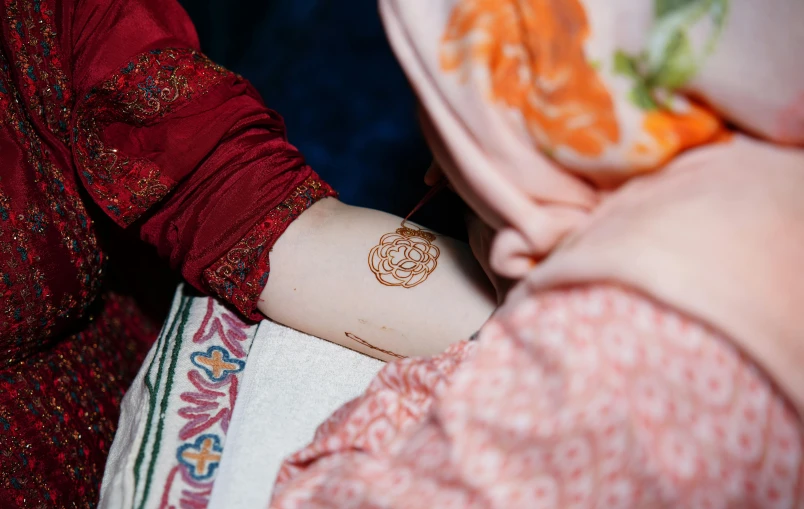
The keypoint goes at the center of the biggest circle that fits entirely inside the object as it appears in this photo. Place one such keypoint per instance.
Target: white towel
(217, 406)
(292, 383)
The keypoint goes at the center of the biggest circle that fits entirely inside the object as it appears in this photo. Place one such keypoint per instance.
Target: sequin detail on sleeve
(32, 306)
(44, 88)
(153, 85)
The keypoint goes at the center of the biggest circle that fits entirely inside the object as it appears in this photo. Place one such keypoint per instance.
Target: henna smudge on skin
(369, 345)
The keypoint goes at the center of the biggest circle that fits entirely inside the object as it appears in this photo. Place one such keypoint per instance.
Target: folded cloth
(292, 383)
(716, 234)
(180, 416)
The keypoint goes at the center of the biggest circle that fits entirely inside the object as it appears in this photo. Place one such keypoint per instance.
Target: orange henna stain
(369, 345)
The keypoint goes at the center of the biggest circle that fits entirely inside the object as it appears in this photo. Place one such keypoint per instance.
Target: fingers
(480, 237)
(434, 174)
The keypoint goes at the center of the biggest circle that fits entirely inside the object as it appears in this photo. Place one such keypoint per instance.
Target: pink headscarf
(717, 233)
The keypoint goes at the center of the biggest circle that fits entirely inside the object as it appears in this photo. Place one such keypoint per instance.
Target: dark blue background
(327, 68)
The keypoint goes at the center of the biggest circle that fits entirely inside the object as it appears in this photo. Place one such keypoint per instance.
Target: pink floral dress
(580, 398)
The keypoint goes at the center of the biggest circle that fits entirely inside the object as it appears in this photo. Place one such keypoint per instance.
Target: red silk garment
(108, 109)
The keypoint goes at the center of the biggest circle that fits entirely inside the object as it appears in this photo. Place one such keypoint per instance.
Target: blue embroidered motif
(217, 363)
(201, 457)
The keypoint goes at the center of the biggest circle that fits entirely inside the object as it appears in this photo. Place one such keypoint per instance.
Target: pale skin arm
(321, 284)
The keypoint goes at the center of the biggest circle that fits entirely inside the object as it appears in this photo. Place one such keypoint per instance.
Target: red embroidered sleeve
(180, 149)
(151, 87)
(240, 275)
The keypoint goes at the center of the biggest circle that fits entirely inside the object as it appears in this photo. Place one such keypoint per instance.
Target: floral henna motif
(404, 258)
(369, 345)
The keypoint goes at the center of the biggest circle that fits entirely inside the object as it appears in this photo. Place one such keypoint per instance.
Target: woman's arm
(321, 283)
(178, 148)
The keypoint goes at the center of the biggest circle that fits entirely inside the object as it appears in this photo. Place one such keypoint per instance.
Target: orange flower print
(533, 51)
(672, 132)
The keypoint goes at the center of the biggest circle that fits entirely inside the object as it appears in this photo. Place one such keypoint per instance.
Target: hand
(435, 174)
(481, 236)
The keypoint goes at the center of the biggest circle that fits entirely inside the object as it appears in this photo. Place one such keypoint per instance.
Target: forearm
(321, 283)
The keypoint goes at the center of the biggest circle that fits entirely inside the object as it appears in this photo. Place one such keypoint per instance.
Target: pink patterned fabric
(585, 397)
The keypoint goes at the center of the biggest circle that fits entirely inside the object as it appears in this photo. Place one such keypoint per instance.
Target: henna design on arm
(407, 256)
(369, 345)
(404, 258)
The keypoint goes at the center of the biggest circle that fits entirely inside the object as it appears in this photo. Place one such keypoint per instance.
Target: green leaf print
(625, 65)
(718, 9)
(663, 7)
(629, 67)
(670, 59)
(641, 97)
(679, 63)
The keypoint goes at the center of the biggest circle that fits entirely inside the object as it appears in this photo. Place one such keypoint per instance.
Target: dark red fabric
(59, 410)
(196, 137)
(108, 112)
